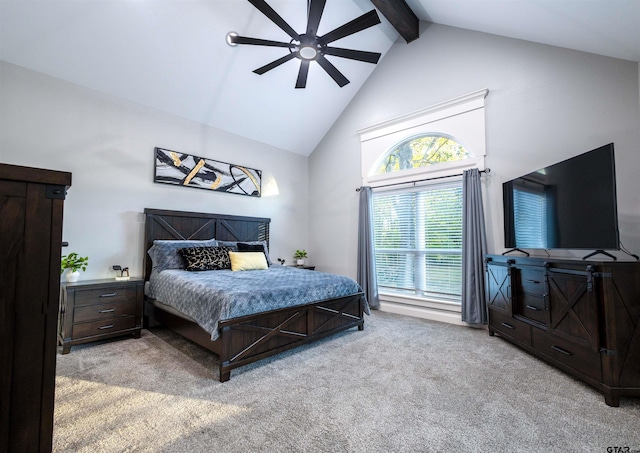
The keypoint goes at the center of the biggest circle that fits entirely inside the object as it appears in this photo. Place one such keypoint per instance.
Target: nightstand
(94, 310)
(311, 268)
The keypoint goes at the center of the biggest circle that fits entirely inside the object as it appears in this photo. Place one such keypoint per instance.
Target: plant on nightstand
(300, 255)
(74, 264)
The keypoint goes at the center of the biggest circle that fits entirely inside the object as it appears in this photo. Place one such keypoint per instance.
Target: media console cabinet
(582, 317)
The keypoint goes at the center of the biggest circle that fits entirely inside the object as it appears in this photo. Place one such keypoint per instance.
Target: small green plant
(74, 262)
(300, 254)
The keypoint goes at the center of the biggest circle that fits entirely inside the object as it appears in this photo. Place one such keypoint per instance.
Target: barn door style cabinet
(583, 317)
(31, 202)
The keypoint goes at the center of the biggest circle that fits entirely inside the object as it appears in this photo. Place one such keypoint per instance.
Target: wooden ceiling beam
(400, 15)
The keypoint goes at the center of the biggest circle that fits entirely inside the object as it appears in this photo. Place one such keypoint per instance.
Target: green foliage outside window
(421, 152)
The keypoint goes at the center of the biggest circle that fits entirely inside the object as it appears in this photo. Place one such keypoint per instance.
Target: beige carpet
(401, 385)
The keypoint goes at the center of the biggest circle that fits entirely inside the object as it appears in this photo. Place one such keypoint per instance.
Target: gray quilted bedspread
(211, 296)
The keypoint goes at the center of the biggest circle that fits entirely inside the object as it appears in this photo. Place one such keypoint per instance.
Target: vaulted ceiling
(172, 55)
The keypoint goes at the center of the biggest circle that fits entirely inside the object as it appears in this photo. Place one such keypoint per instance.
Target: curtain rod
(486, 170)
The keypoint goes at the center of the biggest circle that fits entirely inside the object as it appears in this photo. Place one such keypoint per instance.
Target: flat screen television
(568, 205)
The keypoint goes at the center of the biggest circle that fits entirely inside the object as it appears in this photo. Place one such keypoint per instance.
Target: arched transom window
(419, 152)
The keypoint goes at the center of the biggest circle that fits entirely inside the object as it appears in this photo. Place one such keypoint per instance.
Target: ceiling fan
(308, 46)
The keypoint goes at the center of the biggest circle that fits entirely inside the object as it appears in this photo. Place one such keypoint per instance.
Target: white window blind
(418, 240)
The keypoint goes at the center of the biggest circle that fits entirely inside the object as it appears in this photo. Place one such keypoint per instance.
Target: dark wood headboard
(180, 225)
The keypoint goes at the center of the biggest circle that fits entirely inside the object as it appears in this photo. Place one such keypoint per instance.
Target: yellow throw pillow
(247, 261)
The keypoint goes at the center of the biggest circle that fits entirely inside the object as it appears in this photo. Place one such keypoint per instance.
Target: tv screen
(568, 205)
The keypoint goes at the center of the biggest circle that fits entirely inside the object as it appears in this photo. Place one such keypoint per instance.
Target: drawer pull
(108, 295)
(109, 310)
(533, 281)
(110, 326)
(531, 307)
(560, 350)
(508, 326)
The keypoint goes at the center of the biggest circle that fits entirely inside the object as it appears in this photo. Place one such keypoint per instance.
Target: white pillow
(247, 261)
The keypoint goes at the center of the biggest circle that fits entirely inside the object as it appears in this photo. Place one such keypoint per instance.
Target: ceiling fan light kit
(308, 52)
(308, 47)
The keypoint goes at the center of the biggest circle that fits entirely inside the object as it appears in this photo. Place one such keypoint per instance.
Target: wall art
(186, 170)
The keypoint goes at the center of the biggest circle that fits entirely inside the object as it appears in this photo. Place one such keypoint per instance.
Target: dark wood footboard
(254, 337)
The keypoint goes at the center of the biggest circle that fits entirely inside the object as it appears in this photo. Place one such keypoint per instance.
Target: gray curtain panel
(474, 247)
(366, 258)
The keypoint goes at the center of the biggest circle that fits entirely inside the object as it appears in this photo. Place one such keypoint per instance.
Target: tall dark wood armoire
(31, 202)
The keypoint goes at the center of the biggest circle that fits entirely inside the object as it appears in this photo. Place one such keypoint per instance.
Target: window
(421, 152)
(418, 241)
(460, 119)
(413, 163)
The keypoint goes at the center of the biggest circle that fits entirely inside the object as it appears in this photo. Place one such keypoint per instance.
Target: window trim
(430, 303)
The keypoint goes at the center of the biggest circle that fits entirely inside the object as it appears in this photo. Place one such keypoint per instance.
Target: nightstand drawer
(110, 294)
(104, 311)
(105, 326)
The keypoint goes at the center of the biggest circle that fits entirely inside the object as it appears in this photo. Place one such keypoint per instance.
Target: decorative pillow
(206, 258)
(255, 246)
(246, 261)
(164, 253)
(222, 260)
(246, 247)
(231, 244)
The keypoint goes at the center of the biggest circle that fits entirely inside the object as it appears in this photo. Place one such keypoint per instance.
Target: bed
(242, 336)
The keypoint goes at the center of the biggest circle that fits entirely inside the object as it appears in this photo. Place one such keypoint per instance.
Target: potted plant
(300, 255)
(74, 264)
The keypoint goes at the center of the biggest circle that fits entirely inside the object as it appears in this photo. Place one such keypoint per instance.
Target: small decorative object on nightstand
(300, 255)
(124, 273)
(99, 309)
(73, 264)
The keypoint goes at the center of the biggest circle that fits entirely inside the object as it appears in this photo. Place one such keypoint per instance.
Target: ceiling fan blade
(273, 64)
(361, 23)
(315, 13)
(265, 9)
(259, 42)
(332, 71)
(302, 74)
(360, 55)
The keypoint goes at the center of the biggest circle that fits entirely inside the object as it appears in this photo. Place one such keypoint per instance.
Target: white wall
(545, 104)
(108, 146)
